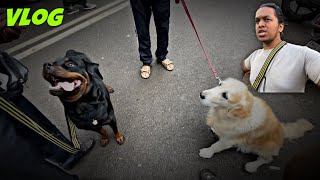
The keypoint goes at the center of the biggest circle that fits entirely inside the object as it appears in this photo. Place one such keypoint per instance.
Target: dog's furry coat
(78, 83)
(247, 123)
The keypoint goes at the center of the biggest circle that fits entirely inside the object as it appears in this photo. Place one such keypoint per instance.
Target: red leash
(203, 49)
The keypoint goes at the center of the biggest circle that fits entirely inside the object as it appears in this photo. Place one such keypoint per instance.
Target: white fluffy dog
(247, 123)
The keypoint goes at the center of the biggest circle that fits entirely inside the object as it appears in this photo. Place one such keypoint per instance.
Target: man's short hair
(277, 9)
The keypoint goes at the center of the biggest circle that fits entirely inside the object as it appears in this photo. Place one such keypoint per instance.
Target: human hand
(177, 1)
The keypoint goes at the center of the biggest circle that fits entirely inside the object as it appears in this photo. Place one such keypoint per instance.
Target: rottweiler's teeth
(77, 83)
(54, 80)
(54, 87)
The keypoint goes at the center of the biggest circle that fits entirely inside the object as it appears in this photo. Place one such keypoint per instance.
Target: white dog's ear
(238, 112)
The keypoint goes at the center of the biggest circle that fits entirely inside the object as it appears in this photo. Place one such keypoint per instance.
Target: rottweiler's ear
(93, 69)
(238, 112)
(71, 52)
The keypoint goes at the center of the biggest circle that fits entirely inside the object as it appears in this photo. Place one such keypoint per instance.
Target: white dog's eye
(224, 95)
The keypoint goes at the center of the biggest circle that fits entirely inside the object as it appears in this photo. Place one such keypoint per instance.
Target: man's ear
(238, 112)
(281, 27)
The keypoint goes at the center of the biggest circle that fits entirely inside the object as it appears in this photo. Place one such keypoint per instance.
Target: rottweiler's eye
(224, 95)
(71, 64)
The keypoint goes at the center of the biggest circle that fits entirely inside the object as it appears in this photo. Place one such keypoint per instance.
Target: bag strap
(12, 65)
(27, 121)
(72, 132)
(266, 64)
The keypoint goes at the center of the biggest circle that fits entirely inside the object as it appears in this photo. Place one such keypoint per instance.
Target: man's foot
(71, 10)
(89, 6)
(145, 71)
(75, 158)
(167, 64)
(206, 174)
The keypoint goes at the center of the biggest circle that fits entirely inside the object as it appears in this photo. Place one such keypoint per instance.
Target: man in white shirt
(292, 65)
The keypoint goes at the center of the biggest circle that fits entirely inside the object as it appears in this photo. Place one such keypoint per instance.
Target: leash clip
(218, 78)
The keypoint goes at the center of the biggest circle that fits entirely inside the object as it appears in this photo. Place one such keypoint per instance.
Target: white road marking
(31, 50)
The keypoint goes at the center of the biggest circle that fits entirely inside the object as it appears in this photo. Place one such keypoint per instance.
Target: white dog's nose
(202, 96)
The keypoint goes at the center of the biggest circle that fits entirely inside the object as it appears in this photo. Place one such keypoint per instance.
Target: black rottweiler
(76, 80)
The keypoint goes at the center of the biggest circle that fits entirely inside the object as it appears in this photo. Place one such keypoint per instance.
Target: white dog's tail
(296, 129)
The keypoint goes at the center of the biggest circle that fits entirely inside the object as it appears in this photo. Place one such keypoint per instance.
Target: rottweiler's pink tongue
(67, 86)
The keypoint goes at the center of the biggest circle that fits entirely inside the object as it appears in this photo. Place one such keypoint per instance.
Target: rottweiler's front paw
(104, 142)
(109, 89)
(119, 138)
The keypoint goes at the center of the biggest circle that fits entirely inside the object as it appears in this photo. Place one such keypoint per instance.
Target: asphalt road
(161, 117)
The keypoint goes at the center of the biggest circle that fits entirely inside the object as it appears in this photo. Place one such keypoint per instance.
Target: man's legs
(21, 158)
(85, 5)
(67, 3)
(70, 5)
(49, 171)
(161, 12)
(141, 10)
(41, 169)
(51, 151)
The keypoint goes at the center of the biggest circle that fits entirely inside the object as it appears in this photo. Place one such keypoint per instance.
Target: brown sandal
(167, 64)
(145, 71)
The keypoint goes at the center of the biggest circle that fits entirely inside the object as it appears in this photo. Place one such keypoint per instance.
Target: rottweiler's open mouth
(59, 84)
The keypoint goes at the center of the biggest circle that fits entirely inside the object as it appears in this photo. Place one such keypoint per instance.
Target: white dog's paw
(251, 167)
(206, 153)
